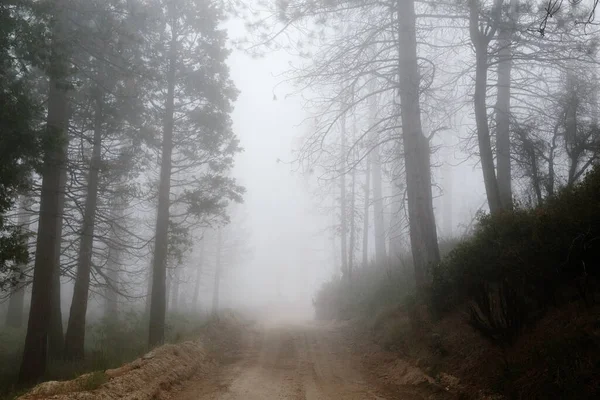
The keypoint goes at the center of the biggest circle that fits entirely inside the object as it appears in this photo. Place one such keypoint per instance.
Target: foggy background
(288, 231)
(290, 236)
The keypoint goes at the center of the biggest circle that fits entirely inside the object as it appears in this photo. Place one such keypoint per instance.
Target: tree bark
(156, 334)
(551, 173)
(571, 122)
(168, 287)
(447, 203)
(195, 305)
(505, 36)
(148, 292)
(14, 315)
(352, 222)
(395, 222)
(343, 205)
(365, 245)
(111, 303)
(56, 338)
(113, 263)
(378, 220)
(33, 364)
(175, 289)
(480, 42)
(215, 301)
(423, 233)
(75, 336)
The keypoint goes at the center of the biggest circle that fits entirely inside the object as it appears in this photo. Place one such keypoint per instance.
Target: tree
(555, 146)
(33, 363)
(370, 40)
(14, 316)
(217, 277)
(229, 243)
(367, 199)
(377, 179)
(481, 36)
(107, 94)
(21, 142)
(55, 329)
(197, 142)
(423, 234)
(553, 7)
(199, 269)
(343, 198)
(115, 255)
(505, 37)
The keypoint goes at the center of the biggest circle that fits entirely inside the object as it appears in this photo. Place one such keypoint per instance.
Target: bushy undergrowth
(373, 289)
(109, 344)
(518, 264)
(529, 281)
(368, 291)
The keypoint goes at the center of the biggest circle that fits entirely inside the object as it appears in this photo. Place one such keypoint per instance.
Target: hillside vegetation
(512, 308)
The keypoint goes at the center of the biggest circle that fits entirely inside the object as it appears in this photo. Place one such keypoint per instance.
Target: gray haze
(289, 232)
(291, 239)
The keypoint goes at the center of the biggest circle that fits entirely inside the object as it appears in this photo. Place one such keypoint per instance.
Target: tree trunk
(175, 289)
(395, 224)
(378, 222)
(148, 292)
(14, 315)
(535, 174)
(195, 305)
(75, 336)
(571, 146)
(168, 287)
(352, 222)
(343, 206)
(423, 234)
(480, 42)
(33, 364)
(551, 174)
(56, 338)
(215, 302)
(156, 334)
(365, 246)
(505, 35)
(111, 304)
(113, 263)
(447, 200)
(335, 253)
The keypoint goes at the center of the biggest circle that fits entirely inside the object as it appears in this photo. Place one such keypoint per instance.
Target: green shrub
(525, 260)
(370, 290)
(373, 290)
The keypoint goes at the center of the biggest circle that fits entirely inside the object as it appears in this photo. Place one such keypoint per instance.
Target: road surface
(307, 361)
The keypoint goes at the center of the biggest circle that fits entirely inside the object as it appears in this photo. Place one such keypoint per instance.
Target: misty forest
(299, 199)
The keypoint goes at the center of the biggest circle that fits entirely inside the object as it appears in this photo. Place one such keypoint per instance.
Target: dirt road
(307, 361)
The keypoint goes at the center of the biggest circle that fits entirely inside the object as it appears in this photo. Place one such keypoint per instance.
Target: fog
(170, 166)
(290, 233)
(289, 230)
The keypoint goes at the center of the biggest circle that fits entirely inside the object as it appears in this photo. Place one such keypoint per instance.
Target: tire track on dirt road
(291, 362)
